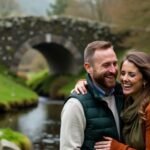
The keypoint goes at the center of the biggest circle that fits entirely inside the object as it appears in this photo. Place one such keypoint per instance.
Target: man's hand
(103, 145)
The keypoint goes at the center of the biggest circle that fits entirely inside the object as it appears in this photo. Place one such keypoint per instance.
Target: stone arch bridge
(61, 40)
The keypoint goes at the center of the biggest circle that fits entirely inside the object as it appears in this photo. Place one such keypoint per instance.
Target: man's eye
(115, 64)
(106, 65)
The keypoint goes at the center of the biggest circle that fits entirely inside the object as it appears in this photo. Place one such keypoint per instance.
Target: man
(87, 118)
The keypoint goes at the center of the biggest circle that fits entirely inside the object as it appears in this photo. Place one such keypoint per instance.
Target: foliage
(57, 8)
(120, 15)
(55, 86)
(66, 89)
(9, 8)
(45, 84)
(35, 78)
(130, 13)
(19, 139)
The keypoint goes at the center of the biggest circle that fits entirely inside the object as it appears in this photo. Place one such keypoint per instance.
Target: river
(41, 124)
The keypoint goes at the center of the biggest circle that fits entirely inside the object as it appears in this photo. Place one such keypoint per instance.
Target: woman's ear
(144, 83)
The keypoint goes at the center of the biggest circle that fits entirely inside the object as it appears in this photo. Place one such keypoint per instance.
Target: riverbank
(14, 95)
(14, 139)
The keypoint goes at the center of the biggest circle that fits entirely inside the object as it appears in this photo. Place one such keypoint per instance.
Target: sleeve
(120, 146)
(72, 125)
(147, 126)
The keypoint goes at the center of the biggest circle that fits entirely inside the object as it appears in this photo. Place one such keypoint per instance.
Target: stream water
(41, 124)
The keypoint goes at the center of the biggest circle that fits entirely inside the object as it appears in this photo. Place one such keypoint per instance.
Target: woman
(135, 81)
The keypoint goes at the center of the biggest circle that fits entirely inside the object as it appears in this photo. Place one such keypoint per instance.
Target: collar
(98, 90)
(102, 93)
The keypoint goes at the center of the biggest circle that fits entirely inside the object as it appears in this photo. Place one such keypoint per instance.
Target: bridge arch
(69, 36)
(60, 53)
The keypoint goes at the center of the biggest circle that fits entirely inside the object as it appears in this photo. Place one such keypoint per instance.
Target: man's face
(104, 68)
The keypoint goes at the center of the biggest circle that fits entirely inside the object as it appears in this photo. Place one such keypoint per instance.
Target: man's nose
(112, 69)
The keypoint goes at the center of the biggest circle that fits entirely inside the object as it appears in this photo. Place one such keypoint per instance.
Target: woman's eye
(131, 74)
(122, 73)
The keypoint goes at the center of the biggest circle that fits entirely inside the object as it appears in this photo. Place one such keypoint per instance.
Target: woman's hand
(103, 145)
(80, 87)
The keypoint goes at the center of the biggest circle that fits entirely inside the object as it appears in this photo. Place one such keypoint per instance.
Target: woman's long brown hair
(142, 61)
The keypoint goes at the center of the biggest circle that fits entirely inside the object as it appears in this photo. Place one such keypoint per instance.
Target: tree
(130, 13)
(91, 9)
(57, 8)
(122, 13)
(9, 8)
(96, 8)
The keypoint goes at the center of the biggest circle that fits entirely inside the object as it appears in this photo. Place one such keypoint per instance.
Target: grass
(13, 91)
(19, 139)
(36, 77)
(13, 94)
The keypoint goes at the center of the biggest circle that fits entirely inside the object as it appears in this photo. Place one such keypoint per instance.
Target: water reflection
(41, 124)
(32, 123)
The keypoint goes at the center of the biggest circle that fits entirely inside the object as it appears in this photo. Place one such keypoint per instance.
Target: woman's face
(131, 79)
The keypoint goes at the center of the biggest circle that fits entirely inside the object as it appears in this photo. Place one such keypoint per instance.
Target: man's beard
(101, 80)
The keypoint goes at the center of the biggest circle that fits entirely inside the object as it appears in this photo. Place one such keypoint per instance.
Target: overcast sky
(34, 7)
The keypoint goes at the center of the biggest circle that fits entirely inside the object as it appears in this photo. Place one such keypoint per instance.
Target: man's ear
(87, 67)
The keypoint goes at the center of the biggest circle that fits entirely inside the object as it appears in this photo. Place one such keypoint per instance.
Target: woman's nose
(125, 77)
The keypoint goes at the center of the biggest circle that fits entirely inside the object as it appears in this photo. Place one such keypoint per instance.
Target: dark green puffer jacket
(99, 118)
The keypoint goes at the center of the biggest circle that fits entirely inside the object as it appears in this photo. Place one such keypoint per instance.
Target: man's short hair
(93, 46)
